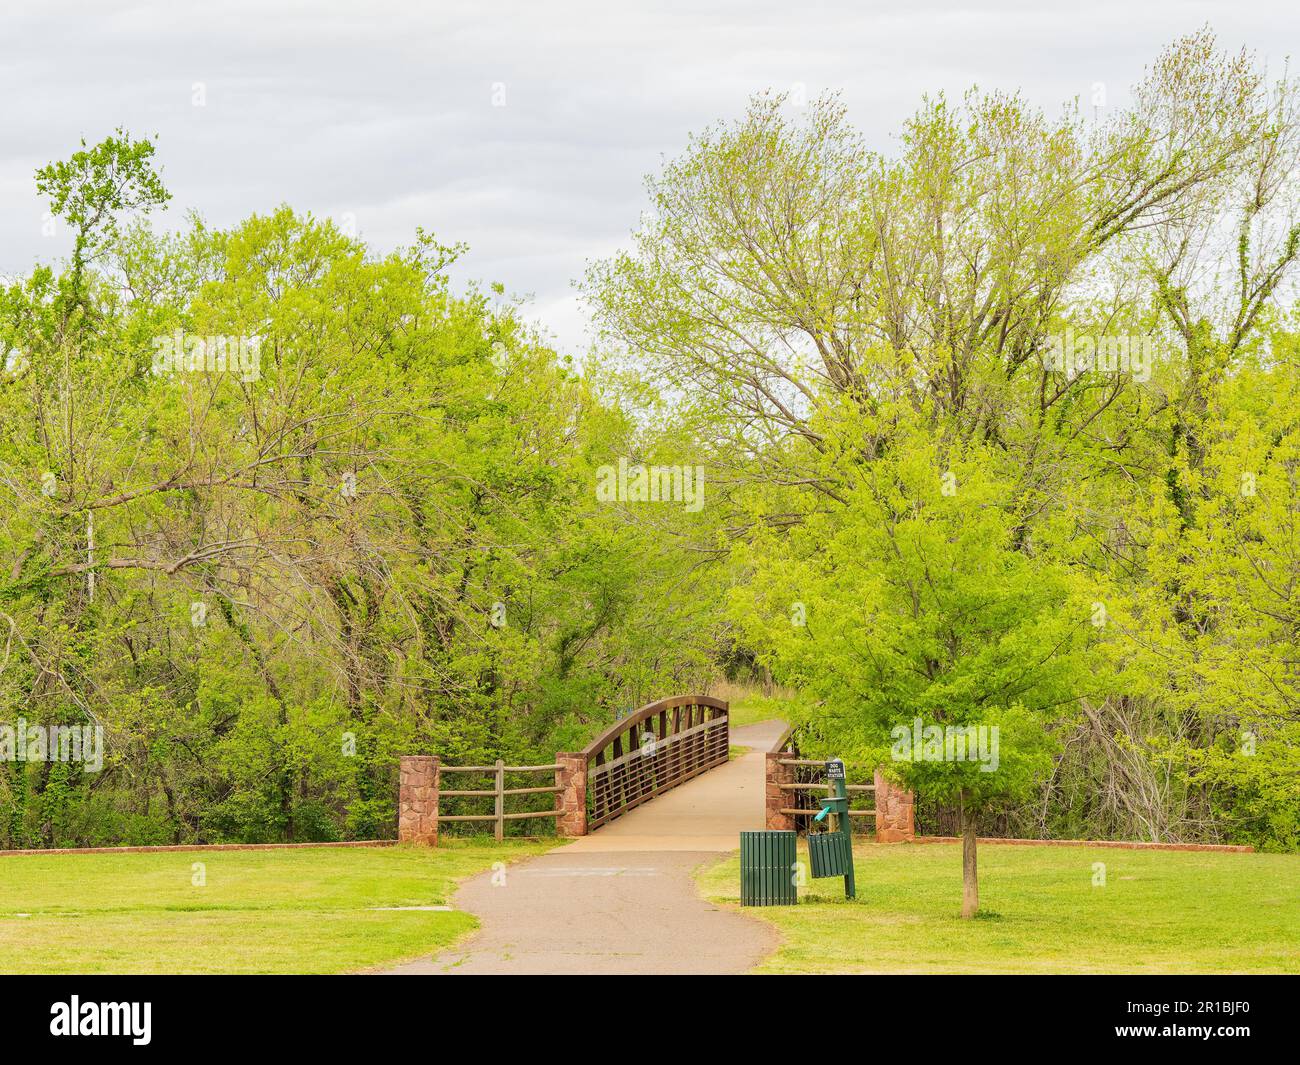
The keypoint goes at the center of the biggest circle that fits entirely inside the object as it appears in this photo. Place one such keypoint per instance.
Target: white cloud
(384, 110)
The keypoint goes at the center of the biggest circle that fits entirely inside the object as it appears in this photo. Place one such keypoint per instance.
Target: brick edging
(201, 847)
(1132, 845)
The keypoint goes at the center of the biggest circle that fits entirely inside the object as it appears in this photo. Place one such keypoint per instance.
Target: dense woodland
(377, 530)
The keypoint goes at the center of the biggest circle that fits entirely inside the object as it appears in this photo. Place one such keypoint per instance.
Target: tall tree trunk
(970, 885)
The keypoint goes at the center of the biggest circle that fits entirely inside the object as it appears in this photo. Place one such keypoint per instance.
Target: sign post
(840, 793)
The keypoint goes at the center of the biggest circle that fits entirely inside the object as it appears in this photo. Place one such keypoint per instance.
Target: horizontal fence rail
(653, 750)
(795, 786)
(810, 784)
(498, 793)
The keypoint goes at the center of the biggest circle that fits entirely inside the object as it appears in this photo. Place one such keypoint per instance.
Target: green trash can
(768, 869)
(828, 854)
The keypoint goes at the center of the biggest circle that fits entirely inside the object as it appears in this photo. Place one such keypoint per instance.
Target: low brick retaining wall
(1118, 843)
(202, 847)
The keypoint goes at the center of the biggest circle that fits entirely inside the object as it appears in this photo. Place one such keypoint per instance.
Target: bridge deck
(704, 814)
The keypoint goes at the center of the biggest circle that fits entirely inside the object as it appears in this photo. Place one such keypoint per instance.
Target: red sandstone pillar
(417, 800)
(571, 799)
(776, 799)
(895, 813)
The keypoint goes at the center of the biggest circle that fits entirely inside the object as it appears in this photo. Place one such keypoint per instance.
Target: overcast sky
(388, 113)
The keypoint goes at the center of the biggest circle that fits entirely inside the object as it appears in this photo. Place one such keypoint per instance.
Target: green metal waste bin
(828, 854)
(768, 869)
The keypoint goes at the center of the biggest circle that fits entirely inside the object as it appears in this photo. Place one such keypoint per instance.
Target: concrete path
(622, 900)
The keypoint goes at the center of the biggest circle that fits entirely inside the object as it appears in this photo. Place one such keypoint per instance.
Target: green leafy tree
(913, 614)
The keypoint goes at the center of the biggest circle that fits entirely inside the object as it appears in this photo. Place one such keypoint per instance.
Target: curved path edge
(623, 900)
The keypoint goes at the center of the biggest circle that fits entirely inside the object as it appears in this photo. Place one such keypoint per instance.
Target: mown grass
(1159, 912)
(285, 911)
(752, 707)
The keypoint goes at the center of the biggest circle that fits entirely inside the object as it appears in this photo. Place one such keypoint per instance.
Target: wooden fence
(652, 750)
(499, 792)
(810, 782)
(795, 786)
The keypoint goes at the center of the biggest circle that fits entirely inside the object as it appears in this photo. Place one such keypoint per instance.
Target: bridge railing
(643, 755)
(651, 751)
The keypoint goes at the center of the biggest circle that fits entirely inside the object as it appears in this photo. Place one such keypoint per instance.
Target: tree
(912, 613)
(857, 327)
(278, 509)
(94, 191)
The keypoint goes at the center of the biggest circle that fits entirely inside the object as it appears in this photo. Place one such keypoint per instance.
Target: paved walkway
(623, 900)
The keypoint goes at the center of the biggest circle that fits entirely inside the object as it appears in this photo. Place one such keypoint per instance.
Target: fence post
(500, 788)
(417, 800)
(895, 812)
(571, 800)
(778, 774)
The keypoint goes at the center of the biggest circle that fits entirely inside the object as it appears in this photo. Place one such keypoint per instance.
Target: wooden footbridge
(639, 758)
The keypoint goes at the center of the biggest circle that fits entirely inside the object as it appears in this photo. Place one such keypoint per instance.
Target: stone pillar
(775, 798)
(895, 813)
(571, 799)
(417, 800)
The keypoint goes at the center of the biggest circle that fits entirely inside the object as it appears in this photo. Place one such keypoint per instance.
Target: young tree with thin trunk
(927, 641)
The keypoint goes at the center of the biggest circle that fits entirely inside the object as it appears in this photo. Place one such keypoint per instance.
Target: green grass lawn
(285, 911)
(1160, 912)
(753, 708)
